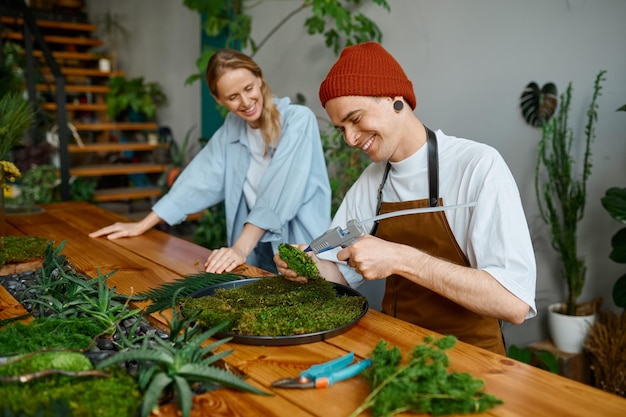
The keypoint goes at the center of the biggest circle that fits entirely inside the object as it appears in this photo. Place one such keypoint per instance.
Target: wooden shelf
(117, 169)
(113, 147)
(126, 193)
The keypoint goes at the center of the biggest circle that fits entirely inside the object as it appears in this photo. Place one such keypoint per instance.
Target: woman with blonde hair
(265, 162)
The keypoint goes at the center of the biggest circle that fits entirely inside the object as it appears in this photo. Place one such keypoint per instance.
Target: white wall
(469, 62)
(162, 46)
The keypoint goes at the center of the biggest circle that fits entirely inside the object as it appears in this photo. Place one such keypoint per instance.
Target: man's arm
(471, 288)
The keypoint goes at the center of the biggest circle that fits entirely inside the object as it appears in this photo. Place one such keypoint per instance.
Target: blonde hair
(230, 59)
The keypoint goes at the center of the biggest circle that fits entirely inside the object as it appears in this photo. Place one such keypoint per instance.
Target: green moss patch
(69, 333)
(15, 249)
(117, 395)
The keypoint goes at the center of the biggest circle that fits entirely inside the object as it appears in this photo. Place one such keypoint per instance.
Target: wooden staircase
(111, 152)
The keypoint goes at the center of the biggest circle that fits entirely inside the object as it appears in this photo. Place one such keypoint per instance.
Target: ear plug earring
(398, 105)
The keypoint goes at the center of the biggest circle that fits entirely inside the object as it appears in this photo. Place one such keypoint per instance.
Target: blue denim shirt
(293, 200)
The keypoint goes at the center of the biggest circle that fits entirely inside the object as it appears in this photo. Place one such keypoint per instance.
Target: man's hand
(372, 257)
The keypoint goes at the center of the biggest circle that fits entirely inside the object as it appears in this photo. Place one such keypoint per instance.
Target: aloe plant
(169, 367)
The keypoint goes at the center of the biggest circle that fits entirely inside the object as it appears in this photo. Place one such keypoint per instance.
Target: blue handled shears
(325, 374)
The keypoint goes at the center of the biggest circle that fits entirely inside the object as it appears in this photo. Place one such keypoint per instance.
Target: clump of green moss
(15, 249)
(70, 333)
(298, 261)
(274, 306)
(117, 395)
(63, 360)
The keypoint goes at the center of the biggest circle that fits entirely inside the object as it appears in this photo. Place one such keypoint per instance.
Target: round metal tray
(283, 340)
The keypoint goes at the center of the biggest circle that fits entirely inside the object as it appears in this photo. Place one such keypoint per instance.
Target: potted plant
(134, 99)
(561, 195)
(15, 117)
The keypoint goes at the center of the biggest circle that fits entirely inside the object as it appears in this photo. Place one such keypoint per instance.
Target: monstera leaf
(538, 104)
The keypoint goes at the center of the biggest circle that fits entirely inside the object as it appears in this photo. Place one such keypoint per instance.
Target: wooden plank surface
(154, 258)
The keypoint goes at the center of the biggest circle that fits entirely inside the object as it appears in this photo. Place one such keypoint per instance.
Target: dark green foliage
(614, 202)
(337, 21)
(21, 248)
(542, 359)
(275, 306)
(163, 296)
(298, 261)
(48, 333)
(423, 384)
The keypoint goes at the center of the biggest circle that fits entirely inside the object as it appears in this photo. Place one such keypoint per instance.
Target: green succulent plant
(168, 367)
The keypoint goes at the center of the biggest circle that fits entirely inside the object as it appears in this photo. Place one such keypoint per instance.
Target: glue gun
(337, 237)
(345, 237)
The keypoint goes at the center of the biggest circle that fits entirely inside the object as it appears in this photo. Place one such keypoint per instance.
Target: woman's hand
(224, 260)
(118, 230)
(128, 229)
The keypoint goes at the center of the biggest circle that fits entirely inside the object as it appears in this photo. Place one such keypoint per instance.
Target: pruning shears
(325, 374)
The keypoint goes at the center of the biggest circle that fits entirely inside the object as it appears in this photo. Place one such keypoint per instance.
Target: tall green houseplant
(561, 187)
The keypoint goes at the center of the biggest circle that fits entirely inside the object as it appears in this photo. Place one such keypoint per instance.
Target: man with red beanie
(457, 271)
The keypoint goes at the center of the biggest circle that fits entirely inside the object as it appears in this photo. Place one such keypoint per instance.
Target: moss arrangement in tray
(15, 249)
(275, 306)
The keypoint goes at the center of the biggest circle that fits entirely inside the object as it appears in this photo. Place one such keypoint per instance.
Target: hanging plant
(538, 104)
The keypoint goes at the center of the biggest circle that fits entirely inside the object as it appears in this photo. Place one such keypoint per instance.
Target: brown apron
(431, 233)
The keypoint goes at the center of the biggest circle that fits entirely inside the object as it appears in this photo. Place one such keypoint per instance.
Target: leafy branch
(332, 19)
(423, 384)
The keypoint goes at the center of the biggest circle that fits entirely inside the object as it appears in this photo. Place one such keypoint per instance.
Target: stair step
(66, 55)
(113, 147)
(74, 88)
(77, 106)
(117, 169)
(84, 27)
(126, 193)
(63, 40)
(87, 72)
(115, 126)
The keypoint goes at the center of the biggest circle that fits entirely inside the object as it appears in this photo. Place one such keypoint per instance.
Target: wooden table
(155, 258)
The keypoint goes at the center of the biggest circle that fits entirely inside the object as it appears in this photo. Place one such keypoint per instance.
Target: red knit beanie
(366, 69)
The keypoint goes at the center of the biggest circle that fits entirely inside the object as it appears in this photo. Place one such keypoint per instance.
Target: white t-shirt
(258, 165)
(493, 234)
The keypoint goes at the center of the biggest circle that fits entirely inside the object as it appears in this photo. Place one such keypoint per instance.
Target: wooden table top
(150, 260)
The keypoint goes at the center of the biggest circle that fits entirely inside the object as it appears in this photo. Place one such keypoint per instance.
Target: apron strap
(433, 169)
(433, 176)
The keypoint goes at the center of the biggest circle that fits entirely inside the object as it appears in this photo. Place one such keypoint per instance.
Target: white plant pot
(568, 332)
